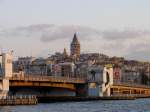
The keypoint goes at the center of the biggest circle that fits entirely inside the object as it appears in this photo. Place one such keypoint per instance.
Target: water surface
(140, 105)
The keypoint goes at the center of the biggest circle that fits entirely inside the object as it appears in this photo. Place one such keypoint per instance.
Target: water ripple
(140, 105)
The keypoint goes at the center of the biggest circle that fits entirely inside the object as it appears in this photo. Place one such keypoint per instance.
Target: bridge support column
(108, 92)
(94, 89)
(107, 81)
(81, 90)
(4, 87)
(6, 73)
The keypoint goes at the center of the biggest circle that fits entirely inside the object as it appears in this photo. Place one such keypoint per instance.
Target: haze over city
(39, 28)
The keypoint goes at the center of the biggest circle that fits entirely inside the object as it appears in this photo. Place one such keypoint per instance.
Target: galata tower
(75, 47)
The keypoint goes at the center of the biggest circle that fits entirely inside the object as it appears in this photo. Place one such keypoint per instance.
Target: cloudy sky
(42, 27)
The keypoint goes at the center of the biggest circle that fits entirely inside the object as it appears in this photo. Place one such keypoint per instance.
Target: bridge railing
(131, 85)
(49, 78)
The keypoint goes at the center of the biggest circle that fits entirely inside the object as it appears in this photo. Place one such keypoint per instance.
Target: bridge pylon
(100, 80)
(107, 81)
(6, 68)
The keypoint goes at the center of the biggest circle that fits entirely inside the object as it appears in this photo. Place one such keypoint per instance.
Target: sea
(139, 105)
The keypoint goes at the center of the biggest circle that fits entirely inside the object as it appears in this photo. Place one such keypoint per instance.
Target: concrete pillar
(102, 92)
(107, 81)
(108, 92)
(81, 90)
(7, 59)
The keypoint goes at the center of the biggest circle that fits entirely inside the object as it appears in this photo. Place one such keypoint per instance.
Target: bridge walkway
(126, 88)
(44, 78)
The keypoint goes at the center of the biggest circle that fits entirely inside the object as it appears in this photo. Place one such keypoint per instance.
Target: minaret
(65, 54)
(75, 47)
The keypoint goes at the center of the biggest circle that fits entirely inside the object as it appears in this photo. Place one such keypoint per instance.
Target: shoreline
(81, 99)
(55, 99)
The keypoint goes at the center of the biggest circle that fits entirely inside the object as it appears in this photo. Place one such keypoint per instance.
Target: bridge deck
(35, 78)
(134, 89)
(129, 85)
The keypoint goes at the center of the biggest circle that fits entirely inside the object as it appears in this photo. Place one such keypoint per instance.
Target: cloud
(26, 31)
(131, 43)
(48, 33)
(125, 34)
(64, 32)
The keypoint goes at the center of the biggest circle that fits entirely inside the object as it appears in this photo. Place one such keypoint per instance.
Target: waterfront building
(23, 63)
(97, 57)
(67, 69)
(81, 69)
(26, 60)
(117, 73)
(38, 66)
(57, 57)
(132, 76)
(56, 70)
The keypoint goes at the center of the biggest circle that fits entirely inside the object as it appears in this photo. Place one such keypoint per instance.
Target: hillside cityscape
(75, 63)
(74, 56)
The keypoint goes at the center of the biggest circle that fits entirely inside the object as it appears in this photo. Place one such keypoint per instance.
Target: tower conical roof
(75, 39)
(75, 46)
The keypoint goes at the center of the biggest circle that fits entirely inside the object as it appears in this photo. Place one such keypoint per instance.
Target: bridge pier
(6, 66)
(4, 87)
(81, 90)
(100, 86)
